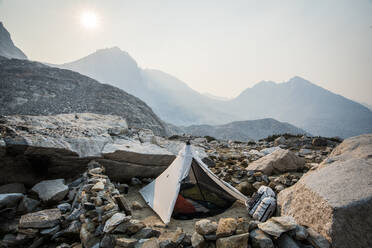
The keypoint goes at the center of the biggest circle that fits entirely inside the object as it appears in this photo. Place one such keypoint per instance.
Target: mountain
(7, 47)
(298, 101)
(305, 105)
(32, 88)
(243, 130)
(170, 98)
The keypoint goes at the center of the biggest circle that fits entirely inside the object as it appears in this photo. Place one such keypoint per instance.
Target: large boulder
(335, 200)
(278, 161)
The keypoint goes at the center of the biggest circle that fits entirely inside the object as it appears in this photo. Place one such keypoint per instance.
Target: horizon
(332, 52)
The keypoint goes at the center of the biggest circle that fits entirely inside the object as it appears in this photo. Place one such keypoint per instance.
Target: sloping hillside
(35, 89)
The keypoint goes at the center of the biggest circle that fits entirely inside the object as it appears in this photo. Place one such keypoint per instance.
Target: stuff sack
(263, 204)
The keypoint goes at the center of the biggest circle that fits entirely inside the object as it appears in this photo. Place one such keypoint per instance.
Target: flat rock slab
(42, 219)
(336, 199)
(51, 190)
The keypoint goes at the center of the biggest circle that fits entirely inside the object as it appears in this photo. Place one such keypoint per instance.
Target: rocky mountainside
(7, 47)
(298, 101)
(242, 130)
(36, 89)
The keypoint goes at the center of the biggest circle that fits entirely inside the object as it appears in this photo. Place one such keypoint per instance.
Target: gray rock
(50, 231)
(130, 227)
(236, 241)
(335, 200)
(277, 162)
(301, 233)
(285, 241)
(51, 190)
(27, 205)
(147, 243)
(275, 226)
(10, 200)
(114, 221)
(125, 242)
(146, 233)
(64, 207)
(317, 240)
(42, 219)
(205, 227)
(260, 239)
(13, 188)
(108, 241)
(197, 240)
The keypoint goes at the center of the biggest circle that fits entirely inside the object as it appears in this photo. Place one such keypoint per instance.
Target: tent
(162, 193)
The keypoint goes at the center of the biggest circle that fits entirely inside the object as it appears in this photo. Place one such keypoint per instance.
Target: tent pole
(197, 182)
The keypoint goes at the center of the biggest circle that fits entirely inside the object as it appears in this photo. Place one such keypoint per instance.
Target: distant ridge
(243, 130)
(298, 101)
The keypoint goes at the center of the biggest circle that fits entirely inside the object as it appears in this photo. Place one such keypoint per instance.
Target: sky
(216, 46)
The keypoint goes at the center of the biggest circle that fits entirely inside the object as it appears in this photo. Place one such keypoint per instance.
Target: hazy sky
(221, 47)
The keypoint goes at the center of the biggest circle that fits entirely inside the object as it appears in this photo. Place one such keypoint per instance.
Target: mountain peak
(7, 47)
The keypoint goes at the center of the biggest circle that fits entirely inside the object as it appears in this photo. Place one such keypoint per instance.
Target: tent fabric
(162, 193)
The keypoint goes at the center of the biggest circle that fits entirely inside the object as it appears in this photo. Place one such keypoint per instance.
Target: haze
(220, 47)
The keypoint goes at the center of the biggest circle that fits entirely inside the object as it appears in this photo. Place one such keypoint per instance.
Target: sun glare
(88, 20)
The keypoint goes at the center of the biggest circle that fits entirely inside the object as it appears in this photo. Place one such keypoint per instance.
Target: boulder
(236, 241)
(205, 226)
(335, 200)
(226, 227)
(42, 219)
(275, 226)
(277, 162)
(51, 190)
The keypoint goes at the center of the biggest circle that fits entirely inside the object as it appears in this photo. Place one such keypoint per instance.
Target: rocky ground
(95, 209)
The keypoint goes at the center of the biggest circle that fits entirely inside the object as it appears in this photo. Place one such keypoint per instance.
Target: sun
(89, 20)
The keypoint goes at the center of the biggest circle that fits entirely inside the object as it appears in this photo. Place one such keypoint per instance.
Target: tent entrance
(200, 196)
